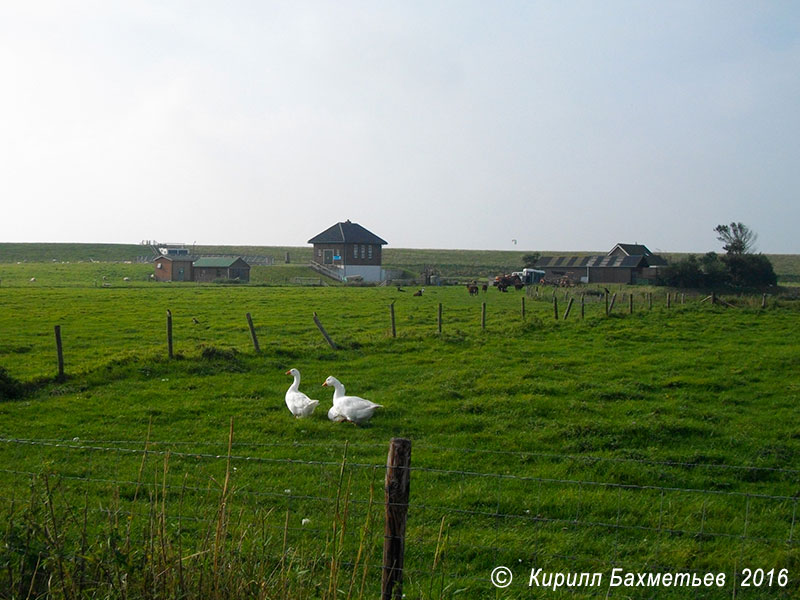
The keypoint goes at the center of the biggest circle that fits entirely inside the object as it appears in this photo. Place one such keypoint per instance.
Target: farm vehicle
(518, 279)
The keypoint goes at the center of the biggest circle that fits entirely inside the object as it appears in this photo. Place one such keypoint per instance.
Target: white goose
(350, 408)
(298, 403)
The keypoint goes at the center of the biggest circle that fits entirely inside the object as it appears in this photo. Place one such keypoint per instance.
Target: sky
(434, 124)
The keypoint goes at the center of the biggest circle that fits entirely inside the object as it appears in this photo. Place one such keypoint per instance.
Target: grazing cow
(472, 289)
(485, 287)
(419, 292)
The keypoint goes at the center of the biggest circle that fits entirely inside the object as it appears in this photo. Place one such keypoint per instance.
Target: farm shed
(347, 250)
(174, 267)
(210, 268)
(624, 263)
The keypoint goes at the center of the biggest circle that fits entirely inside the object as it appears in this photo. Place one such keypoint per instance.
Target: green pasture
(664, 440)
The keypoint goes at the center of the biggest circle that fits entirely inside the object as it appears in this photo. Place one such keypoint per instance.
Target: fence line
(73, 444)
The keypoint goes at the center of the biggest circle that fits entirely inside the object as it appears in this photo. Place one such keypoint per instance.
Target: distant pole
(483, 315)
(169, 334)
(391, 314)
(555, 306)
(323, 332)
(253, 333)
(439, 319)
(397, 490)
(60, 353)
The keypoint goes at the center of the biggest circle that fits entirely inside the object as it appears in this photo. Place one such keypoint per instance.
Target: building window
(319, 252)
(369, 251)
(355, 250)
(363, 250)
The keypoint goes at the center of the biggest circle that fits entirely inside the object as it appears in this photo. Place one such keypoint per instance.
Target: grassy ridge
(606, 439)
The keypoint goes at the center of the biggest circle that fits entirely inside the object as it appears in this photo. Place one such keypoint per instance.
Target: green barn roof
(216, 261)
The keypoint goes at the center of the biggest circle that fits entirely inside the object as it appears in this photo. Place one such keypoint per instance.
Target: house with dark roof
(347, 250)
(185, 267)
(624, 263)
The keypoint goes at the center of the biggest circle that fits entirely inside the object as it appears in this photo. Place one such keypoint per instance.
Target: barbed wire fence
(319, 510)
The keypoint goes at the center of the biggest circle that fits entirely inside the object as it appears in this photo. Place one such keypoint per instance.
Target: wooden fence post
(483, 315)
(439, 318)
(630, 304)
(523, 308)
(324, 333)
(606, 296)
(169, 333)
(650, 300)
(763, 301)
(669, 299)
(583, 305)
(60, 353)
(397, 486)
(555, 306)
(391, 313)
(611, 306)
(253, 333)
(569, 307)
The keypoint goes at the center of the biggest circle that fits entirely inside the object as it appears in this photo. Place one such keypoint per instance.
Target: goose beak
(324, 384)
(288, 372)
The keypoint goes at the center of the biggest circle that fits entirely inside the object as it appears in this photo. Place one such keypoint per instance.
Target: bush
(750, 270)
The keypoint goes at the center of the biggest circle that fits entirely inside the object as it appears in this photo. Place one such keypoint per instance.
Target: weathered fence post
(583, 305)
(398, 479)
(630, 304)
(59, 352)
(391, 313)
(569, 307)
(650, 300)
(323, 332)
(606, 297)
(483, 315)
(669, 299)
(253, 333)
(555, 306)
(439, 318)
(611, 306)
(763, 301)
(169, 333)
(523, 308)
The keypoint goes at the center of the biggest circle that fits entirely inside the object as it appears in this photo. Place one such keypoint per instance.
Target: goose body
(348, 408)
(297, 402)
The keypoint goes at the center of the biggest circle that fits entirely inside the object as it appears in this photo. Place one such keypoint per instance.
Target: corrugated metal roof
(220, 262)
(592, 261)
(346, 233)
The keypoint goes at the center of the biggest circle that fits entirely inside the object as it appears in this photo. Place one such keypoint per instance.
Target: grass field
(663, 441)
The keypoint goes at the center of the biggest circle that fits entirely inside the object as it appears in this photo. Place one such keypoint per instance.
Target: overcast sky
(489, 125)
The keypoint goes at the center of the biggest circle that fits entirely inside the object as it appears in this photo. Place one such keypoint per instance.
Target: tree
(529, 260)
(737, 238)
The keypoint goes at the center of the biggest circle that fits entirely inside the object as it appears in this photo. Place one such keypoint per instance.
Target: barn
(347, 250)
(212, 268)
(624, 263)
